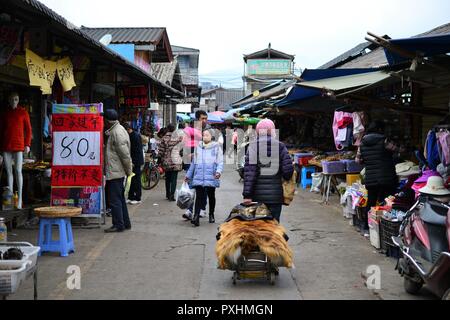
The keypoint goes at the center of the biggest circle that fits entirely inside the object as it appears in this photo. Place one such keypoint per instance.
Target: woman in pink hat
(267, 163)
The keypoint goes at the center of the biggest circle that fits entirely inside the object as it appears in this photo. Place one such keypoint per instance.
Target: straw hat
(435, 186)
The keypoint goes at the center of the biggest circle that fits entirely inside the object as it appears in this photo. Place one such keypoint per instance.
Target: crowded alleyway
(164, 257)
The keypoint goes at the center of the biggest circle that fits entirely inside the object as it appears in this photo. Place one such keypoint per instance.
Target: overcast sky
(314, 31)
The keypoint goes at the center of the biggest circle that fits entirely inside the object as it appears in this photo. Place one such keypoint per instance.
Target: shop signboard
(268, 67)
(134, 97)
(77, 175)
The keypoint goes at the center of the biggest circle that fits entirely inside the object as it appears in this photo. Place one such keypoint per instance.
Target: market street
(164, 257)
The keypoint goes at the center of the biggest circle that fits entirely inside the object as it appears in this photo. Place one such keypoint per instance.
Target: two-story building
(149, 49)
(265, 67)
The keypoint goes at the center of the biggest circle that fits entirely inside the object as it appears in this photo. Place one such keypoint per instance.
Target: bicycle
(150, 173)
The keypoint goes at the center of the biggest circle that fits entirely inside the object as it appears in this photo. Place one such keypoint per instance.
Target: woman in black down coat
(264, 170)
(376, 153)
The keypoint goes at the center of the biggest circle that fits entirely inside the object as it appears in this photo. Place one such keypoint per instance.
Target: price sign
(76, 148)
(77, 156)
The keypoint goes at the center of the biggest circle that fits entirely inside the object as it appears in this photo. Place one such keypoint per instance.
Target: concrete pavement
(164, 257)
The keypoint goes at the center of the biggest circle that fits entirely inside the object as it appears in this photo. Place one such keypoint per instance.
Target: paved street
(164, 257)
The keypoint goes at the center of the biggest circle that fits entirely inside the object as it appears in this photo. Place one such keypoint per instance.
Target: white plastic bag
(317, 179)
(185, 196)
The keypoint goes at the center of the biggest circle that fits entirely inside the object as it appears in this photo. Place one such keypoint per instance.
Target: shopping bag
(289, 189)
(128, 185)
(185, 196)
(317, 179)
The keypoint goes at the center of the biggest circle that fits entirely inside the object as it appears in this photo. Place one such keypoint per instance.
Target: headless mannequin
(17, 157)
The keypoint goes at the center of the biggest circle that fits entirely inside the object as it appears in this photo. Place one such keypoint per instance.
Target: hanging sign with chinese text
(134, 97)
(77, 153)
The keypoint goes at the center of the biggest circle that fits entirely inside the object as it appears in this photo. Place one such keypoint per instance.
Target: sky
(314, 31)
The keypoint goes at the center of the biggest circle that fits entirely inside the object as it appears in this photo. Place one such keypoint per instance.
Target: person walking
(137, 157)
(118, 165)
(204, 175)
(170, 152)
(264, 171)
(376, 153)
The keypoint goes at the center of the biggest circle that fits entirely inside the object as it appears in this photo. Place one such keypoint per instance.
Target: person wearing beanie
(118, 165)
(267, 163)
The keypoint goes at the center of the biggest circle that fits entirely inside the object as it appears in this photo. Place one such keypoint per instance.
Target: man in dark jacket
(137, 156)
(267, 163)
(376, 153)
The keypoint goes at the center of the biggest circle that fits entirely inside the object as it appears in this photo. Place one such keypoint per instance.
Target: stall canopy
(299, 93)
(272, 90)
(250, 108)
(183, 117)
(212, 118)
(425, 46)
(346, 82)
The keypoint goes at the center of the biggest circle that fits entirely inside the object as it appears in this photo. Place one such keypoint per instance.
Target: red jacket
(15, 130)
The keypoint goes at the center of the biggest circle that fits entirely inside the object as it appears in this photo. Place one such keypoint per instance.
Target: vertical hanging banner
(77, 169)
(65, 74)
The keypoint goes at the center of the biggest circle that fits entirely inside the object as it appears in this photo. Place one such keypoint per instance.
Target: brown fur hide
(241, 237)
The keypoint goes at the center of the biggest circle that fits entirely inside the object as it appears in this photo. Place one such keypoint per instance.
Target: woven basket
(57, 212)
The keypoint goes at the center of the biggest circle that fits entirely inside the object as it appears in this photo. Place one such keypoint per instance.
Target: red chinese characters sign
(135, 97)
(77, 147)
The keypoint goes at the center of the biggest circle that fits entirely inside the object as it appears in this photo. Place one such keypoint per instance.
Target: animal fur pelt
(238, 238)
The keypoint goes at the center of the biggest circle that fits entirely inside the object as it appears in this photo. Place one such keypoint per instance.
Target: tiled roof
(127, 35)
(76, 32)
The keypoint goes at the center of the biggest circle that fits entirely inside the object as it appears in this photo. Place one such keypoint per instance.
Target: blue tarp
(319, 74)
(298, 93)
(427, 46)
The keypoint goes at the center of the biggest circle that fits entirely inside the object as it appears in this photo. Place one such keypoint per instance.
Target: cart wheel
(234, 277)
(272, 278)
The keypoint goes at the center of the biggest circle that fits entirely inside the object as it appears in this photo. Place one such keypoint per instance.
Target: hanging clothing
(15, 127)
(432, 150)
(444, 144)
(340, 119)
(46, 127)
(358, 128)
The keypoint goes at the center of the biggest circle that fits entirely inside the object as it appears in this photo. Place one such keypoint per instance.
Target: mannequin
(15, 131)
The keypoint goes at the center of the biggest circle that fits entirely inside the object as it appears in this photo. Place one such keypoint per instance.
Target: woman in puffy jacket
(204, 175)
(267, 163)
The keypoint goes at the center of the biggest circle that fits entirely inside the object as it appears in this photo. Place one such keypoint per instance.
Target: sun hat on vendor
(266, 127)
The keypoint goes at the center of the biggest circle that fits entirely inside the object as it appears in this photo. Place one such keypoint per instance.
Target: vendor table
(328, 179)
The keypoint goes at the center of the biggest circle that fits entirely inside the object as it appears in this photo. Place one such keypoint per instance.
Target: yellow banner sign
(42, 72)
(65, 73)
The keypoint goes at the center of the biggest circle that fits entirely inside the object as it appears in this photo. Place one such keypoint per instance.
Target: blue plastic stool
(65, 243)
(306, 176)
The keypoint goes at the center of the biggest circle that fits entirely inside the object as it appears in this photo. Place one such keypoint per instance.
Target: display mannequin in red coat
(15, 131)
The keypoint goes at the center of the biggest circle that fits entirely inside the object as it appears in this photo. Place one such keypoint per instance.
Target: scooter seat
(429, 215)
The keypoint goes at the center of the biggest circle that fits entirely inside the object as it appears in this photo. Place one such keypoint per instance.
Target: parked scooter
(424, 242)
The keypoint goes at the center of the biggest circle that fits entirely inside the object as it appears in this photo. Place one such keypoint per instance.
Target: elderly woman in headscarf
(267, 163)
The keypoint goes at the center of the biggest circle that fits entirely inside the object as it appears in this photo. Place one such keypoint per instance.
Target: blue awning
(319, 74)
(296, 94)
(426, 46)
